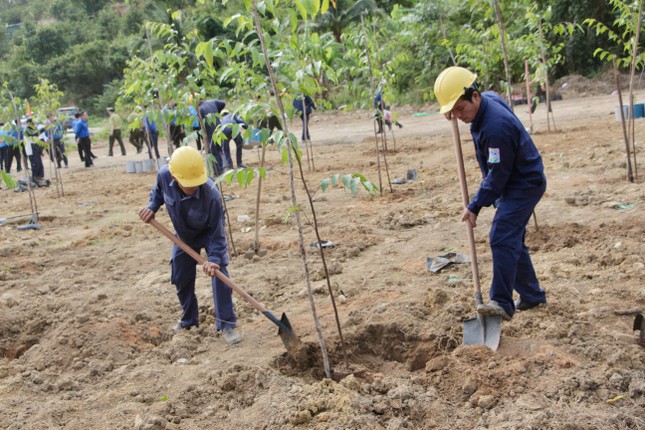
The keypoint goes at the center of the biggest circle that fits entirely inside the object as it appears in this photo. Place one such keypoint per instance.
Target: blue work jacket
(509, 161)
(81, 129)
(198, 219)
(207, 108)
(227, 123)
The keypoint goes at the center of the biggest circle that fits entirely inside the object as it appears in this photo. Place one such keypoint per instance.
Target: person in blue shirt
(194, 205)
(209, 110)
(4, 148)
(57, 130)
(176, 130)
(77, 119)
(379, 105)
(226, 127)
(82, 131)
(513, 181)
(32, 134)
(304, 106)
(153, 135)
(13, 140)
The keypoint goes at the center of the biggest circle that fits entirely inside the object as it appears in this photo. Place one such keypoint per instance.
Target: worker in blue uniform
(513, 181)
(208, 111)
(226, 128)
(194, 205)
(304, 106)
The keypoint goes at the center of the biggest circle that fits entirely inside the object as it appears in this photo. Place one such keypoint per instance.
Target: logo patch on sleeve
(493, 155)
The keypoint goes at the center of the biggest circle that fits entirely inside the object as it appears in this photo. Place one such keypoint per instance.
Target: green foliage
(349, 181)
(318, 46)
(244, 177)
(9, 180)
(622, 37)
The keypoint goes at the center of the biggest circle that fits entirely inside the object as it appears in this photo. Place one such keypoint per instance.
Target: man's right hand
(146, 214)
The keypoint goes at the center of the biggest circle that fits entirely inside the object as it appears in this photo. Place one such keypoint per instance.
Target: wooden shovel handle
(201, 260)
(465, 199)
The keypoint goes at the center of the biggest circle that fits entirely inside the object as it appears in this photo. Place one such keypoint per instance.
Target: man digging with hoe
(194, 205)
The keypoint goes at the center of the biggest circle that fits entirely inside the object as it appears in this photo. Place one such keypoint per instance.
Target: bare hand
(146, 214)
(468, 216)
(448, 115)
(210, 268)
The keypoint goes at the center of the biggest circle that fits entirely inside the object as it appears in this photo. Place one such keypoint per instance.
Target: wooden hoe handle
(201, 260)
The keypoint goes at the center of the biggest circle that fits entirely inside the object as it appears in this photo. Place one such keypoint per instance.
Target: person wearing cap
(153, 135)
(208, 111)
(513, 181)
(194, 205)
(226, 128)
(115, 121)
(304, 106)
(57, 132)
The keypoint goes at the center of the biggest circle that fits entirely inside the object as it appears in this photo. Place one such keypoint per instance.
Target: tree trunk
(294, 201)
(502, 38)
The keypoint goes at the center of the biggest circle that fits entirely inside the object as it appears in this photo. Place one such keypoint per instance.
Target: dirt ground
(87, 306)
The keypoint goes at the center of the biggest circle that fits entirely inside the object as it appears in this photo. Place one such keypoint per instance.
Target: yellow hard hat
(187, 167)
(450, 85)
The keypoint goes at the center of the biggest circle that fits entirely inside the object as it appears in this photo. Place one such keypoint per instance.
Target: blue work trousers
(183, 276)
(512, 266)
(36, 161)
(226, 149)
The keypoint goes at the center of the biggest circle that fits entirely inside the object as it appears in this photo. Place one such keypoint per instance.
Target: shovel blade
(288, 336)
(285, 331)
(483, 330)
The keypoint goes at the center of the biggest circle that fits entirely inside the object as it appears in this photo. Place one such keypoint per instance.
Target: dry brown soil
(87, 305)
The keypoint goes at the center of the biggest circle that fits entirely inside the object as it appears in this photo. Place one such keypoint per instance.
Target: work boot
(523, 305)
(179, 326)
(41, 182)
(493, 308)
(231, 336)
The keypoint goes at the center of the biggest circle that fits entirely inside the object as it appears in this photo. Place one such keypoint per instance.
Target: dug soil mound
(87, 305)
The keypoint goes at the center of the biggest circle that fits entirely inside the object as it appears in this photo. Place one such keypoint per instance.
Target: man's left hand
(470, 217)
(210, 268)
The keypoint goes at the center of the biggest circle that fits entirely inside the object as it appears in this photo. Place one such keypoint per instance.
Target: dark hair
(77, 115)
(468, 92)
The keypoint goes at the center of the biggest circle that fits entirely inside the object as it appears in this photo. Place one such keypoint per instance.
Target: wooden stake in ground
(528, 94)
(630, 176)
(387, 170)
(547, 84)
(632, 70)
(54, 171)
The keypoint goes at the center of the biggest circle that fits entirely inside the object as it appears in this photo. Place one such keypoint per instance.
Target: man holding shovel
(194, 205)
(513, 181)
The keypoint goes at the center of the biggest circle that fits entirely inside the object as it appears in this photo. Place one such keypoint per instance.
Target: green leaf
(293, 18)
(262, 172)
(292, 210)
(241, 177)
(324, 184)
(8, 179)
(325, 6)
(301, 9)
